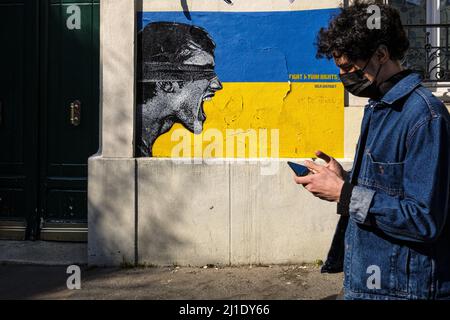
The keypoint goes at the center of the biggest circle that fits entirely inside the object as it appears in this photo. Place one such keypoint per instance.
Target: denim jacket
(397, 239)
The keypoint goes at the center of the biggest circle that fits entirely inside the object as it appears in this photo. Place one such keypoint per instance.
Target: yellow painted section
(308, 117)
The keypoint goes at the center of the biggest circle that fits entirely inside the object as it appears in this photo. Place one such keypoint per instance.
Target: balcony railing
(429, 52)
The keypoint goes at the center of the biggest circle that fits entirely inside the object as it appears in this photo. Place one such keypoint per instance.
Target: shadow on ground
(229, 283)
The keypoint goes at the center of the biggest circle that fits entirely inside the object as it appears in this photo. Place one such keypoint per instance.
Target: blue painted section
(259, 46)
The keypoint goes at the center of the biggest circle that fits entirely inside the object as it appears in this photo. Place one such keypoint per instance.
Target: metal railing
(429, 52)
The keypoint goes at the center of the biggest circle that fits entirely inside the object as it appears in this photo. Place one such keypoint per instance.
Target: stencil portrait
(176, 75)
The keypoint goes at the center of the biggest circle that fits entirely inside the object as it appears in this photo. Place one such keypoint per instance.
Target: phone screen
(299, 170)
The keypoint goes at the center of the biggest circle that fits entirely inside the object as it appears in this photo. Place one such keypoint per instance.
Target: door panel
(72, 46)
(49, 59)
(18, 117)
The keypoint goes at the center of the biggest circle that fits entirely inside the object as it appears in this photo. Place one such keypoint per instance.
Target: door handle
(75, 113)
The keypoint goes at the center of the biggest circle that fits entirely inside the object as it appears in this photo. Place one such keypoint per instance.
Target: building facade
(203, 179)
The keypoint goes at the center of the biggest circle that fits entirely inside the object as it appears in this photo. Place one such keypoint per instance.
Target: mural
(235, 84)
(175, 77)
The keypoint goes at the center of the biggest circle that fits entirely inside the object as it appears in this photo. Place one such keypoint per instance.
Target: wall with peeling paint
(265, 58)
(162, 210)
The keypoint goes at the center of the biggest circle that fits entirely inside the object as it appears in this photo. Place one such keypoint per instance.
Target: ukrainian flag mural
(235, 81)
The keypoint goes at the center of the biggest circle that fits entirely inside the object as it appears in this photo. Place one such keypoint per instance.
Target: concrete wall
(221, 213)
(111, 173)
(227, 213)
(160, 211)
(111, 211)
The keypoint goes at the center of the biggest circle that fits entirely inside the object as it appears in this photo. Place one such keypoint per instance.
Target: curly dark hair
(347, 33)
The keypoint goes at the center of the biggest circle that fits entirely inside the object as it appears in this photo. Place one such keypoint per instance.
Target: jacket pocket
(384, 176)
(376, 266)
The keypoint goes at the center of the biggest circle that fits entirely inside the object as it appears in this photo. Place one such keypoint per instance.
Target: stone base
(226, 212)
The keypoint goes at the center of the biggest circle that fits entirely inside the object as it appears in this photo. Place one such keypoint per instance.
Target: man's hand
(324, 183)
(332, 164)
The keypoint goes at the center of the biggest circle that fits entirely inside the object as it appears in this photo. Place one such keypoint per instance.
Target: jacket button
(381, 169)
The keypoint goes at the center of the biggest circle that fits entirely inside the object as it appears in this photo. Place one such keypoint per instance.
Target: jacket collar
(400, 90)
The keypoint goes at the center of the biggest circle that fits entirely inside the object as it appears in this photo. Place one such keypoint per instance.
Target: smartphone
(299, 170)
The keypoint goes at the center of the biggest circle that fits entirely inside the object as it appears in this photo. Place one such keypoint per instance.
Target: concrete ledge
(226, 212)
(183, 213)
(111, 211)
(229, 212)
(275, 221)
(43, 253)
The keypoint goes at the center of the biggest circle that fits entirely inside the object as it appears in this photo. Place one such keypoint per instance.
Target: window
(427, 23)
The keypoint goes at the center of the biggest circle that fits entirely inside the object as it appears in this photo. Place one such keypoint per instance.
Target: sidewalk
(271, 282)
(37, 270)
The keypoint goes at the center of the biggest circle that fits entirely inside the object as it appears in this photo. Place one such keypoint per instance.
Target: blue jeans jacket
(397, 241)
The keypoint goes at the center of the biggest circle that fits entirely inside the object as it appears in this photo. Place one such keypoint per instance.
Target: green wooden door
(69, 115)
(49, 97)
(19, 105)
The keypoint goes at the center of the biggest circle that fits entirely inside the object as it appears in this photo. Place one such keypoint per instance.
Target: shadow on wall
(120, 232)
(116, 66)
(112, 188)
(162, 215)
(111, 238)
(153, 213)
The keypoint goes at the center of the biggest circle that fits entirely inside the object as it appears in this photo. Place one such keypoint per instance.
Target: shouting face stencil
(176, 76)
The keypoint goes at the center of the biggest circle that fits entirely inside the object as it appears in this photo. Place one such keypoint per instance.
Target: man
(395, 201)
(175, 77)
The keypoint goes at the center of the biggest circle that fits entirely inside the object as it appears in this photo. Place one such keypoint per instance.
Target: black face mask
(357, 84)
